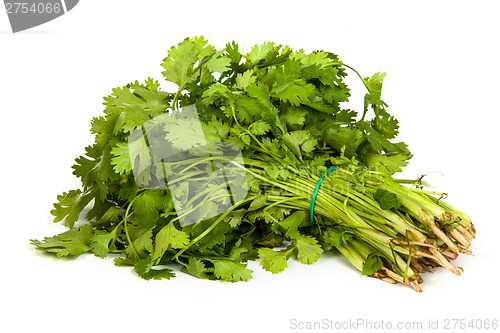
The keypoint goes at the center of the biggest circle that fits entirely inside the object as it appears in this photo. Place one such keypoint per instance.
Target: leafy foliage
(283, 109)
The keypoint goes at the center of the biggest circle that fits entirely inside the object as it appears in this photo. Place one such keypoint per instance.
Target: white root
(441, 235)
(459, 237)
(465, 233)
(444, 262)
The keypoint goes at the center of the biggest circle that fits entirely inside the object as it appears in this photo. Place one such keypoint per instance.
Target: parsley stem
(354, 257)
(280, 203)
(212, 226)
(125, 228)
(338, 63)
(221, 158)
(349, 215)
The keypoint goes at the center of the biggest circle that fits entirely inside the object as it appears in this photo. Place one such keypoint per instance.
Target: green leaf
(142, 243)
(147, 205)
(308, 249)
(386, 163)
(316, 58)
(231, 271)
(233, 52)
(217, 235)
(104, 169)
(85, 166)
(128, 190)
(278, 172)
(160, 274)
(180, 61)
(372, 264)
(129, 106)
(221, 127)
(290, 87)
(300, 142)
(258, 202)
(197, 268)
(248, 109)
(69, 206)
(346, 116)
(374, 85)
(216, 63)
(72, 242)
(274, 261)
(260, 92)
(386, 124)
(130, 118)
(379, 142)
(234, 218)
(133, 154)
(101, 241)
(104, 212)
(292, 222)
(386, 199)
(185, 134)
(336, 236)
(144, 268)
(276, 213)
(349, 137)
(103, 128)
(294, 117)
(169, 237)
(243, 249)
(243, 80)
(259, 52)
(295, 92)
(259, 127)
(335, 93)
(216, 92)
(121, 159)
(273, 145)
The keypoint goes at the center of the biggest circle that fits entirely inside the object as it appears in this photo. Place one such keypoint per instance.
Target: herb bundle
(282, 110)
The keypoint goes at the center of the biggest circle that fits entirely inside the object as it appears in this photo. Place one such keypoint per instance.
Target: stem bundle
(422, 232)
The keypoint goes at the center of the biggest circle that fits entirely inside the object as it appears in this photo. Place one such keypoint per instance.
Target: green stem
(352, 255)
(125, 219)
(216, 222)
(198, 161)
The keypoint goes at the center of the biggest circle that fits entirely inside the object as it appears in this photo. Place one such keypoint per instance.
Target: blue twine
(315, 193)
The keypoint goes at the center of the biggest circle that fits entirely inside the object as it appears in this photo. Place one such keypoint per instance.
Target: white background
(442, 60)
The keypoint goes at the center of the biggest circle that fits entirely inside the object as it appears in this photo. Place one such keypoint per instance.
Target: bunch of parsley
(283, 110)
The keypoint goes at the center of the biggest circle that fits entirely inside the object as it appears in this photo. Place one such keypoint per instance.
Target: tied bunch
(253, 157)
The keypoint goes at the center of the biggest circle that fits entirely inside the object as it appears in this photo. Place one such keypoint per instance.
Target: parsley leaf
(169, 237)
(274, 261)
(101, 242)
(372, 264)
(70, 206)
(72, 242)
(386, 199)
(231, 271)
(179, 64)
(300, 142)
(308, 249)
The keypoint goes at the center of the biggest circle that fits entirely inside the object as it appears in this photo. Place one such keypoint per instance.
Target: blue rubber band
(315, 193)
